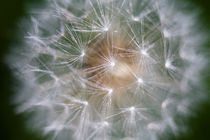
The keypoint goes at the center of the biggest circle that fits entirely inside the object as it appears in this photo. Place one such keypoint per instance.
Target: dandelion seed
(166, 33)
(135, 18)
(85, 103)
(131, 109)
(82, 54)
(144, 52)
(140, 81)
(106, 29)
(168, 64)
(105, 123)
(112, 63)
(110, 91)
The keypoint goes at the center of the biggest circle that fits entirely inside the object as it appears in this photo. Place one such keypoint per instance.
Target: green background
(12, 126)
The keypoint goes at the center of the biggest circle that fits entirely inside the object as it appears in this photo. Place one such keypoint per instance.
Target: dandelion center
(109, 65)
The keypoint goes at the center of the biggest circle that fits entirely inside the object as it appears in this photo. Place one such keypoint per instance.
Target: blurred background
(12, 126)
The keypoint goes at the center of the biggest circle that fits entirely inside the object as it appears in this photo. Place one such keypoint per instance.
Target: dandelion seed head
(114, 81)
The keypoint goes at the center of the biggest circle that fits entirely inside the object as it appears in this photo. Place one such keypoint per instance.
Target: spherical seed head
(110, 58)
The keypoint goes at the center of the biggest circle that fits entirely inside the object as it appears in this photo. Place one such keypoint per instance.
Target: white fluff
(68, 106)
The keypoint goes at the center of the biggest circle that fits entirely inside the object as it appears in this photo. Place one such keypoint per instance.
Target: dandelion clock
(108, 69)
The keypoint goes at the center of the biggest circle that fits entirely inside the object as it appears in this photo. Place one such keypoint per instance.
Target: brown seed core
(111, 63)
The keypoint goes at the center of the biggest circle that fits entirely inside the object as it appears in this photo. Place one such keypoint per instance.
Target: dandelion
(108, 69)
